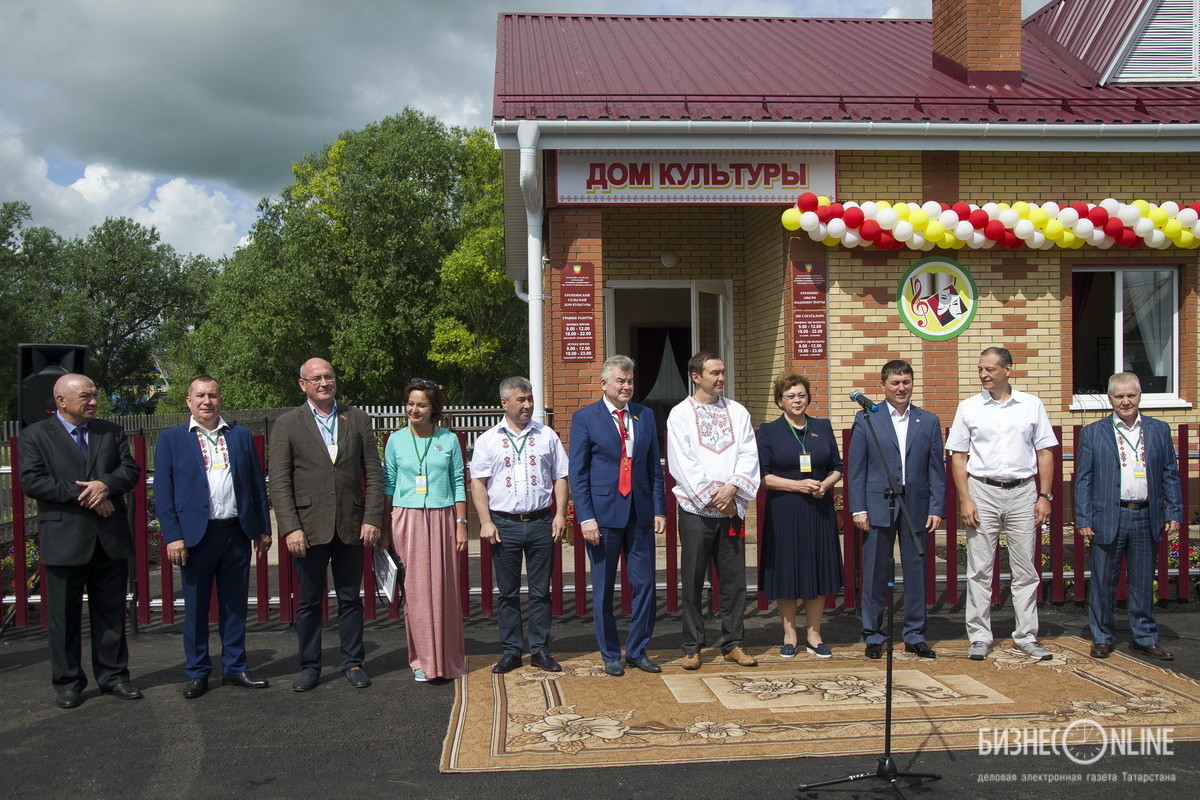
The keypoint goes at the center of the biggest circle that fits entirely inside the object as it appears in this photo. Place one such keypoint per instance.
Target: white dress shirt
(519, 483)
(217, 468)
(1131, 451)
(709, 446)
(1002, 439)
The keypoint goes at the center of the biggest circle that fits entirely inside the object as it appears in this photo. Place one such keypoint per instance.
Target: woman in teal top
(423, 478)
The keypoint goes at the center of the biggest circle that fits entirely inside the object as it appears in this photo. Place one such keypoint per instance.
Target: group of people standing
(329, 491)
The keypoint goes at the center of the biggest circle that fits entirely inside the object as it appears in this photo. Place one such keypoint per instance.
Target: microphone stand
(885, 768)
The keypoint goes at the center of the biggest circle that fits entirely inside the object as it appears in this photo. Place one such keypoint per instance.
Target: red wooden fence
(1062, 581)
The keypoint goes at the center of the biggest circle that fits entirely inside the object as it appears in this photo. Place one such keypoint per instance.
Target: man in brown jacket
(323, 453)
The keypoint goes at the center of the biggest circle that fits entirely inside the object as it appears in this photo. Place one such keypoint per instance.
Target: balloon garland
(924, 226)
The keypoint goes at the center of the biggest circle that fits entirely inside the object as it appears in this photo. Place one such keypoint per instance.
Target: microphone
(863, 400)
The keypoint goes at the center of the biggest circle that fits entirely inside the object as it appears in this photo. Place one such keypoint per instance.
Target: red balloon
(1112, 226)
(962, 209)
(978, 218)
(994, 230)
(870, 230)
(1011, 241)
(1080, 208)
(824, 213)
(1195, 206)
(945, 206)
(853, 216)
(885, 240)
(898, 245)
(1129, 239)
(837, 209)
(807, 202)
(1098, 216)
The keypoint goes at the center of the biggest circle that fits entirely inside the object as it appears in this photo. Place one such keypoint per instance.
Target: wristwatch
(461, 520)
(1049, 497)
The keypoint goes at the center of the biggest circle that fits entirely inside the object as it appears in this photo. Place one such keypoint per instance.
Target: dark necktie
(80, 441)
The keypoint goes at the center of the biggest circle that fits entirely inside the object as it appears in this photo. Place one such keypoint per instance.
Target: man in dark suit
(211, 504)
(911, 440)
(327, 492)
(1127, 494)
(79, 468)
(617, 485)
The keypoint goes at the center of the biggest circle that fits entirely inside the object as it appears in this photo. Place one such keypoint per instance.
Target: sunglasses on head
(424, 383)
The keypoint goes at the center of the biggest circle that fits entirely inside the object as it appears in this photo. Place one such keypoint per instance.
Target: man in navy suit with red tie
(617, 486)
(212, 504)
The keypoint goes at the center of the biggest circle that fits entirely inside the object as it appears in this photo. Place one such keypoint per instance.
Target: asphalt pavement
(385, 741)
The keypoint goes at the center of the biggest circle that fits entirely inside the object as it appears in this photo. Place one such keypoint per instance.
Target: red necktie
(625, 476)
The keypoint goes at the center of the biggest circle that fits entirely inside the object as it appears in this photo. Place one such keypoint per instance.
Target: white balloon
(851, 239)
(1037, 239)
(948, 219)
(1171, 207)
(903, 231)
(1128, 215)
(1187, 217)
(1107, 243)
(992, 209)
(1052, 208)
(963, 230)
(1110, 205)
(978, 240)
(1023, 229)
(1084, 228)
(1196, 230)
(988, 244)
(916, 241)
(836, 227)
(928, 246)
(1068, 217)
(1143, 227)
(1048, 245)
(1008, 217)
(932, 208)
(887, 218)
(850, 204)
(809, 221)
(1096, 237)
(1157, 239)
(869, 209)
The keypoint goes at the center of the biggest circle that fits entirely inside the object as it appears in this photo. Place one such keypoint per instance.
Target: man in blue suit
(211, 502)
(1127, 494)
(911, 439)
(617, 484)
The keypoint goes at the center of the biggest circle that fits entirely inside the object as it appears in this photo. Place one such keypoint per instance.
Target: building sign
(809, 327)
(577, 302)
(937, 298)
(718, 176)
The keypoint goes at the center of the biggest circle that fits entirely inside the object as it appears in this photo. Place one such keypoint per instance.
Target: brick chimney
(978, 41)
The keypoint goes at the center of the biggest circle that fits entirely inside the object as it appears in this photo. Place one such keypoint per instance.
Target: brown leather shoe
(690, 661)
(740, 657)
(1100, 650)
(1154, 651)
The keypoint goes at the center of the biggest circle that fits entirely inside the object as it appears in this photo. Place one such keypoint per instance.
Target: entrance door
(712, 324)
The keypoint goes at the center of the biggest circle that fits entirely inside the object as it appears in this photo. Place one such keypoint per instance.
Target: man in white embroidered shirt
(1008, 438)
(515, 469)
(712, 455)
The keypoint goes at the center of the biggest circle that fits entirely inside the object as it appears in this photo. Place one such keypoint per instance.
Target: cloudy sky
(182, 114)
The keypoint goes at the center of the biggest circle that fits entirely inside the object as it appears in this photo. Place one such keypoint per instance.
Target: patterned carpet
(805, 706)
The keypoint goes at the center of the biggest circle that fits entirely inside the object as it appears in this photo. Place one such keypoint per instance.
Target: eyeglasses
(320, 379)
(795, 396)
(424, 383)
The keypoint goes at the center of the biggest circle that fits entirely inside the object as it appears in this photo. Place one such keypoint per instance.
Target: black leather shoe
(544, 661)
(69, 698)
(1154, 651)
(194, 688)
(874, 651)
(1100, 650)
(644, 664)
(507, 663)
(245, 680)
(124, 691)
(357, 678)
(306, 681)
(920, 648)
(614, 669)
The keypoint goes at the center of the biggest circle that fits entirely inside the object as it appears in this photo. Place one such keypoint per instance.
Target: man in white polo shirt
(515, 469)
(1007, 436)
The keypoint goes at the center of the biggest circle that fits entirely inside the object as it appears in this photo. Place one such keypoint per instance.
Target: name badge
(332, 449)
(219, 461)
(805, 462)
(421, 485)
(1139, 471)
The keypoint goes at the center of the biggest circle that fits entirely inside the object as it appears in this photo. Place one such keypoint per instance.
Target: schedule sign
(577, 301)
(809, 326)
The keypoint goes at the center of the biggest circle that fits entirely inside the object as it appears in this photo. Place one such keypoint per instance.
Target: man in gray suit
(78, 468)
(1127, 495)
(327, 492)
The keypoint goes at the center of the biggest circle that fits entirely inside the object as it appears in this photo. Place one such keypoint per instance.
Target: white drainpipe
(531, 189)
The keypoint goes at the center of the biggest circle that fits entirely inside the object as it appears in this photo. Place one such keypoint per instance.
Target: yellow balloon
(822, 200)
(903, 210)
(1173, 227)
(1186, 238)
(1022, 209)
(1159, 216)
(883, 204)
(935, 230)
(1067, 239)
(1003, 206)
(1039, 217)
(1054, 229)
(831, 241)
(949, 239)
(791, 219)
(959, 244)
(1142, 206)
(918, 218)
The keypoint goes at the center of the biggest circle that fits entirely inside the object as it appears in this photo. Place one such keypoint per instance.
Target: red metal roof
(1086, 33)
(567, 66)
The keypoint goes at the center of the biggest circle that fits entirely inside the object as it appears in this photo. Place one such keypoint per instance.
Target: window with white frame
(1125, 320)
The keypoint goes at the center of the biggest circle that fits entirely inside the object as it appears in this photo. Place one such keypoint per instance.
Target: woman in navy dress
(801, 558)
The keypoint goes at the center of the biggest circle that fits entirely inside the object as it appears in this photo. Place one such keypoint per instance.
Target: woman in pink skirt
(423, 474)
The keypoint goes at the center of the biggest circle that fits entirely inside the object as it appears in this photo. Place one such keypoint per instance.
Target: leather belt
(1003, 484)
(223, 523)
(528, 516)
(1132, 506)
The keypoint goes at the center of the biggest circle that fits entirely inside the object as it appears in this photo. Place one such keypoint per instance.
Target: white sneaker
(1033, 650)
(978, 651)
